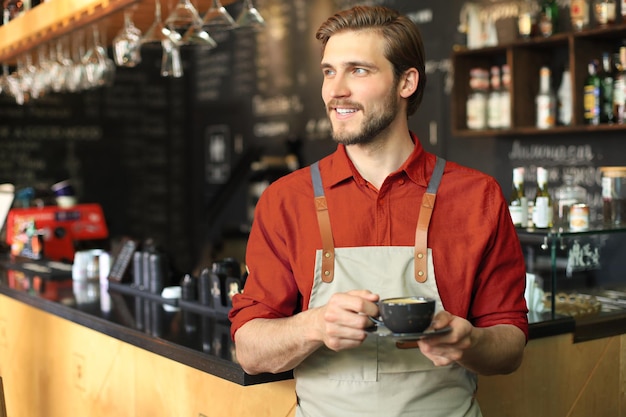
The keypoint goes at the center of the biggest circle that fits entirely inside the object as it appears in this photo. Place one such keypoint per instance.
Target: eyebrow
(350, 64)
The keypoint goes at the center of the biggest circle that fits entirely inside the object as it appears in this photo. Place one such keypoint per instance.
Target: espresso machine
(55, 233)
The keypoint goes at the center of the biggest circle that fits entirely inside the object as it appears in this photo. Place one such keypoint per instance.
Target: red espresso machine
(60, 232)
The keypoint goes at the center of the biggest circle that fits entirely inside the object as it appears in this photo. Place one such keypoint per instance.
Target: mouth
(344, 112)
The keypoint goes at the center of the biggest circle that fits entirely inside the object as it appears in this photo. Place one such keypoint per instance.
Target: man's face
(359, 91)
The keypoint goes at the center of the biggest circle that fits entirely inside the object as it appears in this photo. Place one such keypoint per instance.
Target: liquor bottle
(606, 89)
(604, 12)
(548, 18)
(619, 88)
(545, 101)
(518, 204)
(476, 106)
(564, 94)
(542, 208)
(591, 95)
(579, 14)
(494, 110)
(505, 98)
(622, 7)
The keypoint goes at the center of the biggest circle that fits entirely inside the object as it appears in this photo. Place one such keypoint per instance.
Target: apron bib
(377, 378)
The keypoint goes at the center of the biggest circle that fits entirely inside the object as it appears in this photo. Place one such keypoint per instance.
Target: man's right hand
(341, 323)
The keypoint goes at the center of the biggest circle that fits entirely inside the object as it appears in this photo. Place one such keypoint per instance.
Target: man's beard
(370, 128)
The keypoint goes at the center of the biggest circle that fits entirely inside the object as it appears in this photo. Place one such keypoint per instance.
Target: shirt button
(420, 255)
(420, 273)
(327, 273)
(401, 182)
(327, 254)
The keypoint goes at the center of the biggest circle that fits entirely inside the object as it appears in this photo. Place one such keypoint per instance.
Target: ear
(408, 82)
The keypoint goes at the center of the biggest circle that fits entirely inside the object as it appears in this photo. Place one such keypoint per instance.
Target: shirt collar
(415, 167)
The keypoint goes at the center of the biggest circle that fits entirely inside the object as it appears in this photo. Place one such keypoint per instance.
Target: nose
(336, 87)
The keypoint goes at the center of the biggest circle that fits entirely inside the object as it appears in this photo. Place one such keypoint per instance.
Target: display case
(575, 274)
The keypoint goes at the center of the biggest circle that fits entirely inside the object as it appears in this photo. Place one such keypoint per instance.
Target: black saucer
(385, 332)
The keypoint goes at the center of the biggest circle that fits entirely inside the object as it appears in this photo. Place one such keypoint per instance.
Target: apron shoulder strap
(421, 231)
(323, 220)
(423, 221)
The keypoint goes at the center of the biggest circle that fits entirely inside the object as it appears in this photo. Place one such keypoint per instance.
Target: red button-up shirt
(477, 257)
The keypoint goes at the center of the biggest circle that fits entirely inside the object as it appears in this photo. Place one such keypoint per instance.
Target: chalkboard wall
(170, 158)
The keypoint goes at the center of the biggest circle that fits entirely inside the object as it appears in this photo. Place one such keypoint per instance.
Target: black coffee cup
(410, 314)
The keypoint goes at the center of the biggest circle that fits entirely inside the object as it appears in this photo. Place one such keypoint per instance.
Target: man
(330, 240)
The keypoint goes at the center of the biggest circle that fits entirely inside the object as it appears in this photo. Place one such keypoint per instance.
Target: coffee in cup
(406, 314)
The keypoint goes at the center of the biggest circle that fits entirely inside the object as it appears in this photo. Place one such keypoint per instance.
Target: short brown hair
(404, 46)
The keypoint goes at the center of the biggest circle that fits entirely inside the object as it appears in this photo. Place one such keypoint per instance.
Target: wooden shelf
(56, 18)
(531, 131)
(569, 49)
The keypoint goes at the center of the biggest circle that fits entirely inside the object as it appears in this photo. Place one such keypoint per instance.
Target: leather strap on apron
(421, 232)
(323, 220)
(426, 211)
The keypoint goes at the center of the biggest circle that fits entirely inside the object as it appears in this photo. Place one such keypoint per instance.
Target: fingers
(346, 316)
(447, 348)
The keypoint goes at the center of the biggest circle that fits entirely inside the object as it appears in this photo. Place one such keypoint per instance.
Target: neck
(376, 160)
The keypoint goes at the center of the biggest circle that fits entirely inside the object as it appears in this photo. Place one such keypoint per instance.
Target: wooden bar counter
(61, 358)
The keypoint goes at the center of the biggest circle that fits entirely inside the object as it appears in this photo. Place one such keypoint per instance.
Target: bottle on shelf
(579, 14)
(505, 98)
(545, 101)
(494, 110)
(12, 9)
(476, 108)
(622, 8)
(619, 88)
(606, 89)
(591, 95)
(542, 207)
(526, 20)
(564, 95)
(565, 197)
(548, 18)
(518, 203)
(604, 12)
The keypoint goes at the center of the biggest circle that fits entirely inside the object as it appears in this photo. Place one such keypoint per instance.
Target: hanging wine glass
(171, 64)
(12, 85)
(42, 81)
(217, 19)
(250, 17)
(182, 18)
(127, 43)
(196, 35)
(25, 74)
(76, 79)
(157, 32)
(99, 69)
(65, 65)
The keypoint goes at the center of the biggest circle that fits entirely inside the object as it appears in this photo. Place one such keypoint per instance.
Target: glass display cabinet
(575, 274)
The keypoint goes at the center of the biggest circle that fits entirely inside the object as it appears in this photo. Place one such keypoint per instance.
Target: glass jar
(614, 195)
(604, 12)
(567, 195)
(476, 106)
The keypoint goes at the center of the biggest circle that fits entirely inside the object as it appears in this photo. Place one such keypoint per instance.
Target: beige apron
(377, 378)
